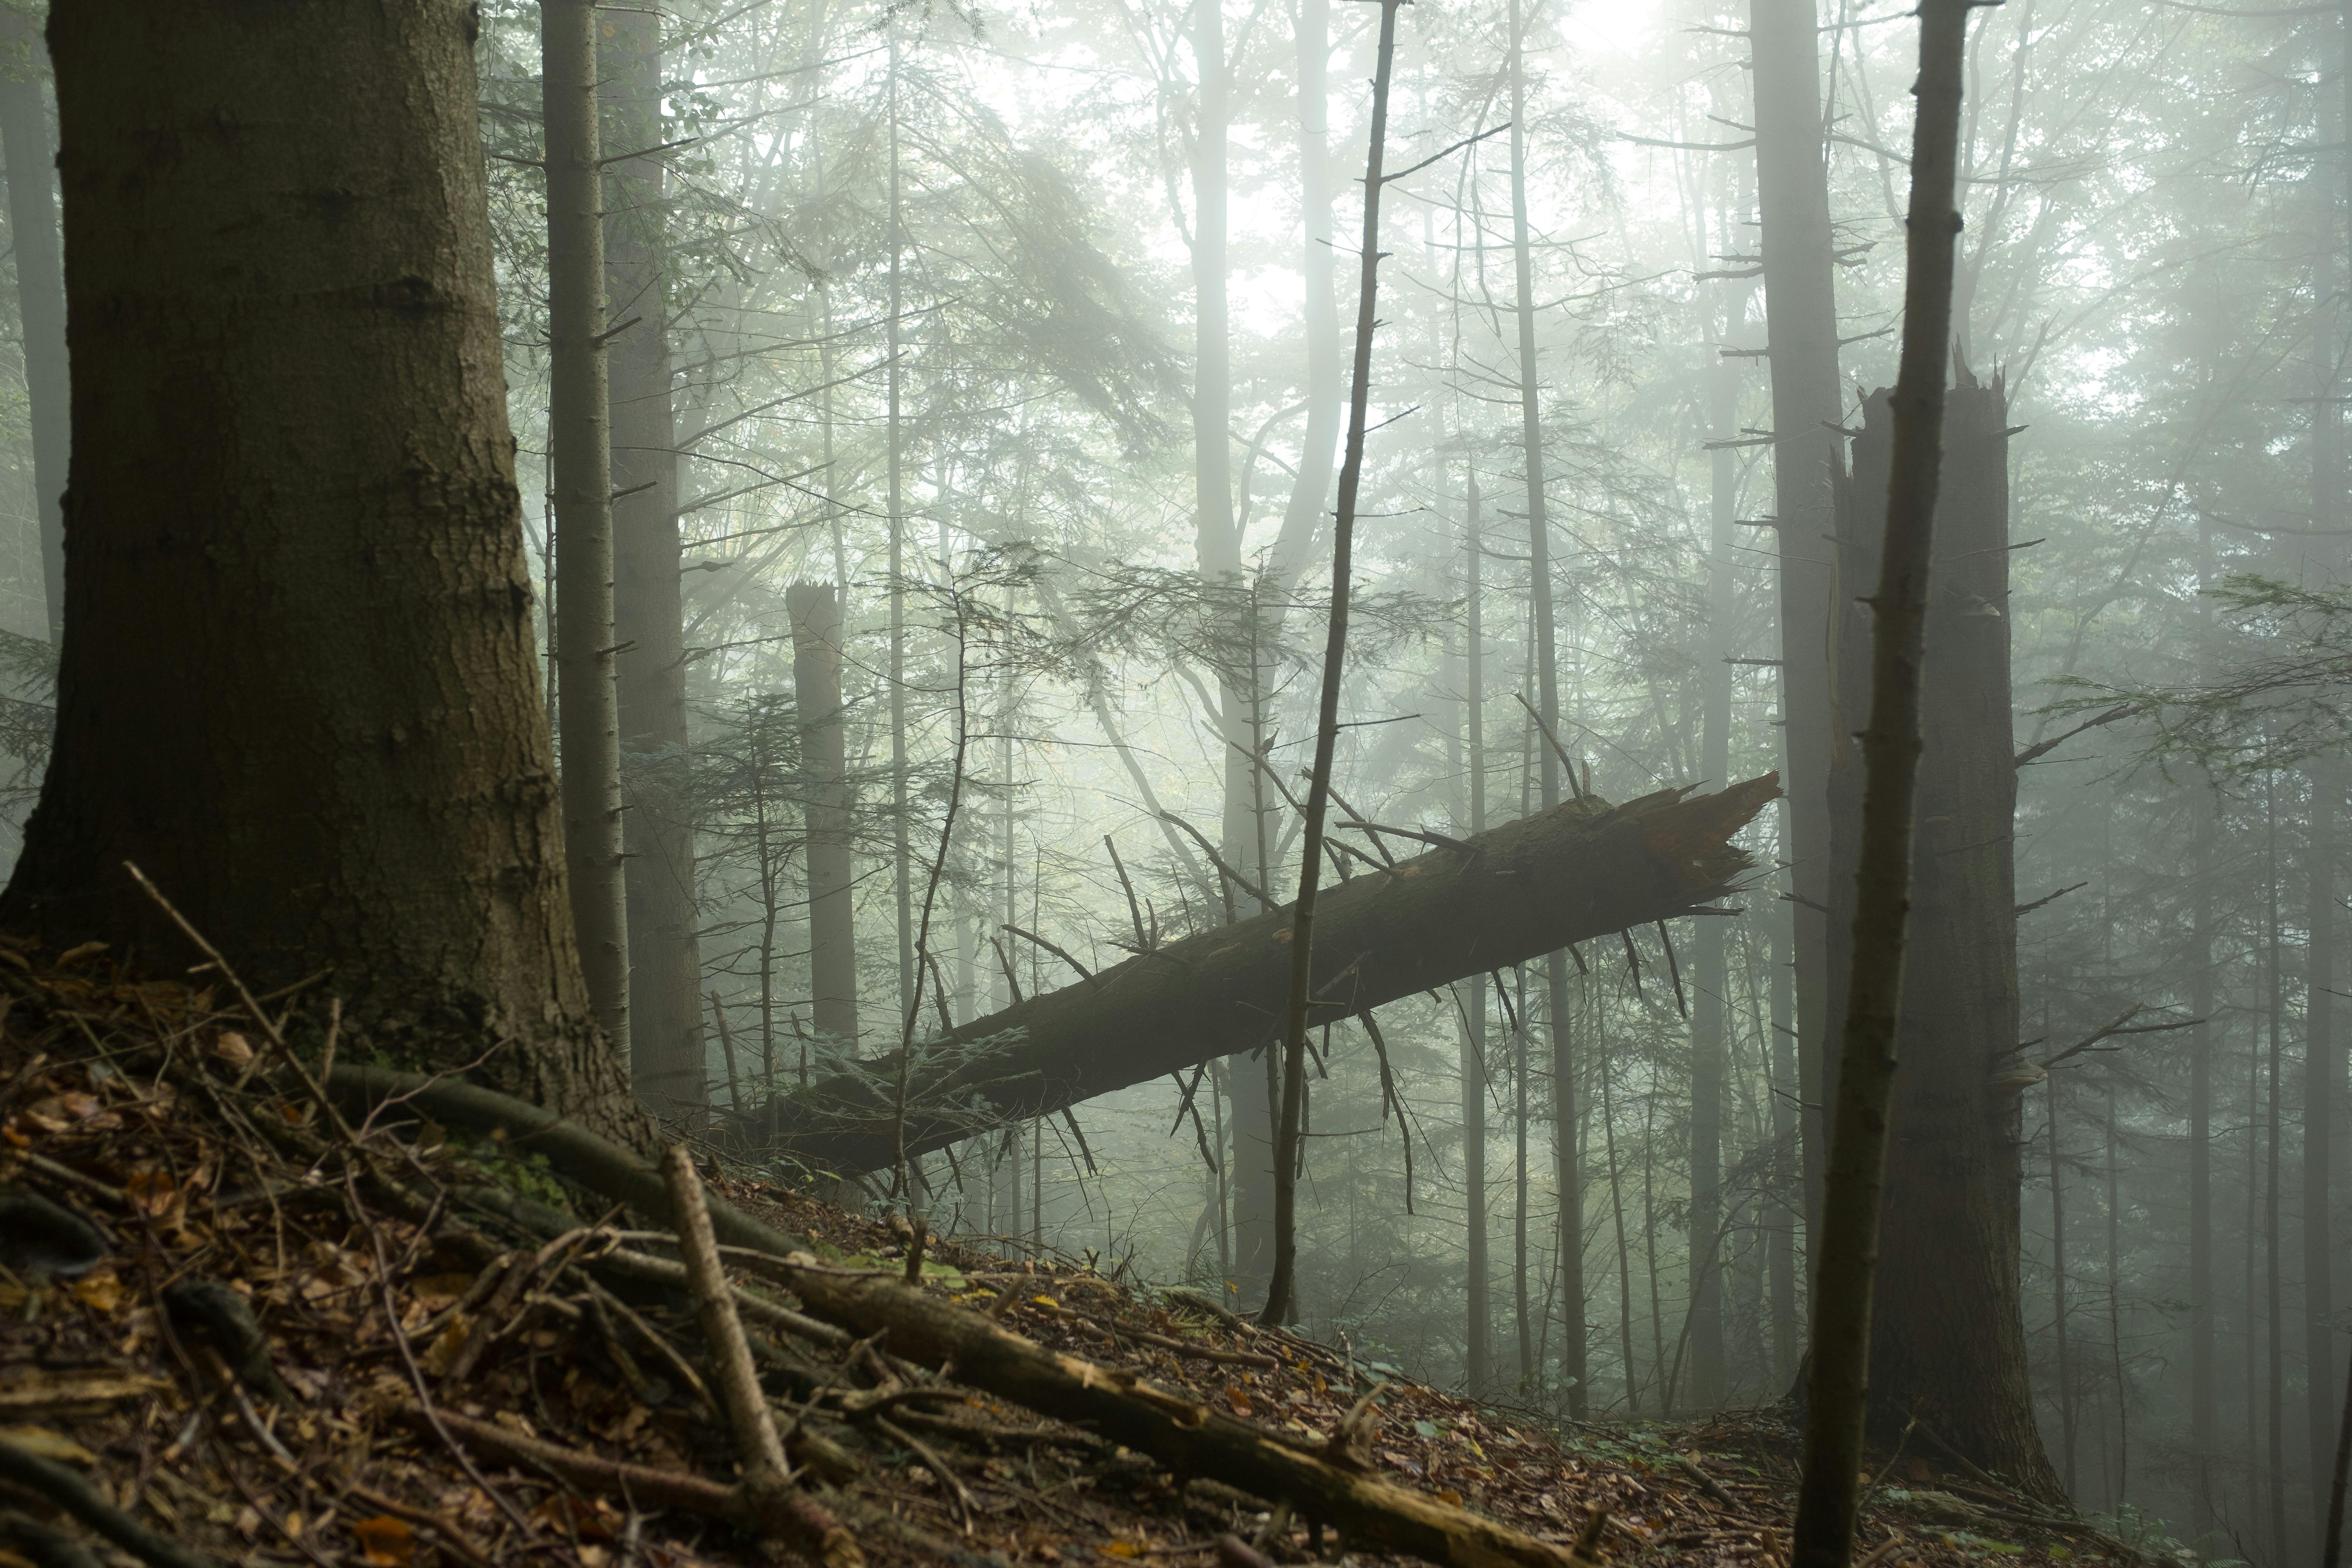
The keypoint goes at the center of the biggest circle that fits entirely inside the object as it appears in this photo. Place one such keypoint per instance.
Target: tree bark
(1475, 1075)
(581, 466)
(666, 1057)
(1800, 329)
(40, 301)
(370, 788)
(816, 616)
(1527, 888)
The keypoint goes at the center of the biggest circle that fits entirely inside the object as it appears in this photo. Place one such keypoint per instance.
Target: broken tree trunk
(1531, 887)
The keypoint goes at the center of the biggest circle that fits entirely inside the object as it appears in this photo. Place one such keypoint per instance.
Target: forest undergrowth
(237, 1325)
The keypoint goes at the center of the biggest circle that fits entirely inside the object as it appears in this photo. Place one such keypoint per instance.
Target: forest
(1430, 687)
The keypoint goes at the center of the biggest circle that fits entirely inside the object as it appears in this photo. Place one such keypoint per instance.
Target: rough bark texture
(369, 787)
(1949, 1342)
(816, 615)
(665, 1039)
(1801, 326)
(580, 467)
(1527, 888)
(40, 292)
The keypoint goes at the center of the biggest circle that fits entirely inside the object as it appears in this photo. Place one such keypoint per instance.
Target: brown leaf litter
(229, 1333)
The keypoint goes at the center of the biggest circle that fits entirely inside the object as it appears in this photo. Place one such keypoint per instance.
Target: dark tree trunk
(40, 301)
(369, 788)
(665, 1039)
(1949, 1340)
(1527, 888)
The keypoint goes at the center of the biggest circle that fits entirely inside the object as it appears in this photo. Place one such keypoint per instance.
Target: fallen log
(1190, 1439)
(1531, 887)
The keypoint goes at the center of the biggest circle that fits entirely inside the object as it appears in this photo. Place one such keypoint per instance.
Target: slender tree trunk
(902, 860)
(1522, 1069)
(1837, 1402)
(40, 300)
(1624, 1254)
(2274, 1303)
(2115, 1313)
(816, 616)
(424, 868)
(666, 1055)
(2060, 1331)
(1478, 1303)
(1282, 1294)
(1800, 327)
(2204, 1437)
(580, 462)
(1787, 1174)
(1326, 393)
(1710, 972)
(1563, 1056)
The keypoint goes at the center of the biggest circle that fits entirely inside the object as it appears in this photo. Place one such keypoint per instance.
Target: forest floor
(229, 1332)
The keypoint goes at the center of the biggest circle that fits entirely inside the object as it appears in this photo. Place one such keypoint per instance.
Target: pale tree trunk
(1475, 1074)
(579, 463)
(816, 616)
(370, 789)
(1800, 327)
(2203, 1413)
(648, 609)
(1710, 969)
(40, 301)
(2323, 1061)
(902, 859)
(1568, 1173)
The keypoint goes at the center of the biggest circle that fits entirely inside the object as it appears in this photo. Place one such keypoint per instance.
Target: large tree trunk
(1529, 887)
(40, 301)
(579, 463)
(1949, 1341)
(368, 788)
(666, 1055)
(1800, 325)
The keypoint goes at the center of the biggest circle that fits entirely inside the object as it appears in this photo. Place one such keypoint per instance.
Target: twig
(1675, 970)
(1059, 952)
(965, 1502)
(1244, 883)
(1142, 944)
(426, 1408)
(260, 1014)
(727, 1045)
(714, 1302)
(1558, 751)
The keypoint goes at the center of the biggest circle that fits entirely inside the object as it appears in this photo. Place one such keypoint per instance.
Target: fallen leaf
(385, 1541)
(1450, 1497)
(99, 1290)
(1237, 1399)
(235, 1050)
(1123, 1549)
(150, 1192)
(75, 954)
